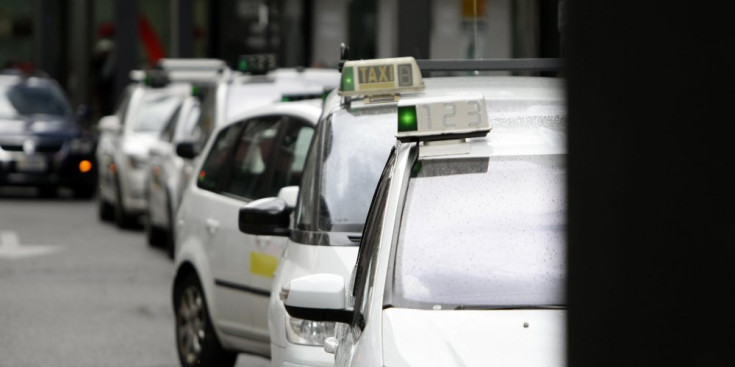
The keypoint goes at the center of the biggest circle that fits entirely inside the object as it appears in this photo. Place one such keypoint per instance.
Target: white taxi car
(126, 136)
(168, 172)
(223, 277)
(254, 83)
(462, 260)
(352, 143)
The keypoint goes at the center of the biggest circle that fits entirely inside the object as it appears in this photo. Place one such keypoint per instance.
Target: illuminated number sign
(443, 115)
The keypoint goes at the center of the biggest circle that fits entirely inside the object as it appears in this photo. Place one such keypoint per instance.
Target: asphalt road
(78, 292)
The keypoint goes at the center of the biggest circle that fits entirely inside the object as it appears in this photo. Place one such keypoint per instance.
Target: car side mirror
(187, 149)
(110, 124)
(317, 297)
(269, 216)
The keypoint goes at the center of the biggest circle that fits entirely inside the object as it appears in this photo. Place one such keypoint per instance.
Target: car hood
(43, 125)
(473, 338)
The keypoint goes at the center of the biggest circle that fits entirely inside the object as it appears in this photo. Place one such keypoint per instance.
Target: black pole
(185, 28)
(126, 42)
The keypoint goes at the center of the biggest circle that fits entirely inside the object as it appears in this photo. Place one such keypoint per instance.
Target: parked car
(43, 142)
(223, 277)
(127, 136)
(352, 143)
(233, 94)
(462, 259)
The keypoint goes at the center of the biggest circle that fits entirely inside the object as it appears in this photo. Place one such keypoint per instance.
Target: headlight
(136, 162)
(81, 145)
(307, 332)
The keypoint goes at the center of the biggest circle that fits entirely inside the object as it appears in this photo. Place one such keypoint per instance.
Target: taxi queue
(355, 217)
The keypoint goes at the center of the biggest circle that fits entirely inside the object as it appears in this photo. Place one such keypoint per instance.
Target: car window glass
(122, 107)
(253, 159)
(351, 154)
(211, 170)
(291, 154)
(497, 241)
(170, 128)
(27, 99)
(206, 118)
(155, 109)
(367, 255)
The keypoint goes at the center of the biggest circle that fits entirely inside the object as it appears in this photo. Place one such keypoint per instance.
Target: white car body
(301, 259)
(168, 171)
(232, 266)
(122, 151)
(394, 335)
(231, 96)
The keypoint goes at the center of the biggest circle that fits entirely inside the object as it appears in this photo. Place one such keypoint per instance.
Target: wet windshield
(483, 232)
(26, 99)
(155, 110)
(354, 146)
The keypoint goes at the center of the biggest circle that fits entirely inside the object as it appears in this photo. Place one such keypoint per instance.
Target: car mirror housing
(109, 124)
(187, 149)
(268, 216)
(317, 297)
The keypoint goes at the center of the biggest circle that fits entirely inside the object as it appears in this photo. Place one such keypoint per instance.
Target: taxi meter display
(380, 77)
(442, 117)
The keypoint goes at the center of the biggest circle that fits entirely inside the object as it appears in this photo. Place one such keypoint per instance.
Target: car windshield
(483, 232)
(32, 99)
(156, 108)
(355, 146)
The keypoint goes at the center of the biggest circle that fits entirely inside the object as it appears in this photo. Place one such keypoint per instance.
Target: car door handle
(211, 225)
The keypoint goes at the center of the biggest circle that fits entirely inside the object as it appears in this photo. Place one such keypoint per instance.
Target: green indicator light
(147, 80)
(194, 90)
(407, 120)
(285, 99)
(243, 65)
(348, 79)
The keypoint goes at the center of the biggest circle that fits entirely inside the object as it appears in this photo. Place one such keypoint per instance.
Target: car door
(262, 162)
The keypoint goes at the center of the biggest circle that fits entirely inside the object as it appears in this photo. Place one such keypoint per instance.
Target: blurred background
(89, 46)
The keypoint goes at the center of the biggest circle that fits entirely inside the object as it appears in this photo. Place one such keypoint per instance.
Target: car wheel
(196, 342)
(47, 191)
(154, 235)
(105, 210)
(83, 191)
(169, 240)
(122, 218)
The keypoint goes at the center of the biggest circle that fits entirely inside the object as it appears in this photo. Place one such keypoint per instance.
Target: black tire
(83, 191)
(169, 240)
(196, 341)
(155, 235)
(47, 191)
(123, 219)
(105, 211)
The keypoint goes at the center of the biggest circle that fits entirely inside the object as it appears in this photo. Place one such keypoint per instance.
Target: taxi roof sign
(380, 77)
(442, 118)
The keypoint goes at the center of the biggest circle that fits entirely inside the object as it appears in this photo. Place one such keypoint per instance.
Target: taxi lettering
(376, 74)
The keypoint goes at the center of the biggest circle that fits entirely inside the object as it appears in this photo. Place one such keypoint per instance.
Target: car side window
(168, 131)
(367, 255)
(211, 172)
(291, 155)
(122, 107)
(253, 159)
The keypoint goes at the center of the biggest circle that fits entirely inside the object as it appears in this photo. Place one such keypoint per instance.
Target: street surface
(78, 292)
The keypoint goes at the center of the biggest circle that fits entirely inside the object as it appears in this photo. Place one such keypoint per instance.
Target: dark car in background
(42, 142)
